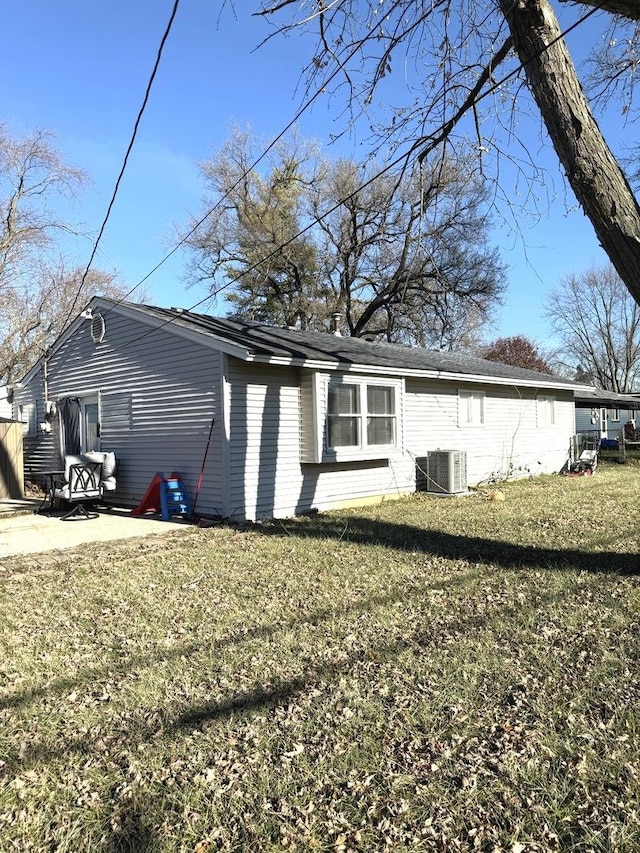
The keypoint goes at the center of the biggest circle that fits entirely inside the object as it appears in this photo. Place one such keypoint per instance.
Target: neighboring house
(605, 413)
(269, 422)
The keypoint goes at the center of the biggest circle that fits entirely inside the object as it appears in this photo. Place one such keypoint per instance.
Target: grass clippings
(432, 674)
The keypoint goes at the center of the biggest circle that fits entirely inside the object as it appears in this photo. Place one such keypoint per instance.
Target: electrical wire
(147, 93)
(402, 158)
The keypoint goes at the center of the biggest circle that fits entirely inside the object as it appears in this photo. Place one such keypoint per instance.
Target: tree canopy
(403, 259)
(518, 351)
(472, 72)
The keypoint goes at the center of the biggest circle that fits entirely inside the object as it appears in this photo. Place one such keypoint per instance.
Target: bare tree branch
(625, 8)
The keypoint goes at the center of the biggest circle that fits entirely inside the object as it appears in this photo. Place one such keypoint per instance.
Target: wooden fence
(11, 467)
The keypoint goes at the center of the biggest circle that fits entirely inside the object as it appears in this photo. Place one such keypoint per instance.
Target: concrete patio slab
(28, 533)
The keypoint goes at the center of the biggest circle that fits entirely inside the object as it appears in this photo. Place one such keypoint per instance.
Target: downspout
(45, 378)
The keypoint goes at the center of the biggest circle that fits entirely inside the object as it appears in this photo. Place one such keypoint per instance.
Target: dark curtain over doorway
(69, 409)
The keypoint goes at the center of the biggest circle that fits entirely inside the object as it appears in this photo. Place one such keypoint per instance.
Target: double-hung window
(361, 416)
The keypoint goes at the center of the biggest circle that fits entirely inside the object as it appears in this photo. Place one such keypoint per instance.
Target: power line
(305, 106)
(125, 160)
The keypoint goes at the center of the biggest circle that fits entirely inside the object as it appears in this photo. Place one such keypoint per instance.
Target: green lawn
(432, 674)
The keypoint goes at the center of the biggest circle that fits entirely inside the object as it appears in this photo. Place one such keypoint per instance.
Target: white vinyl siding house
(263, 422)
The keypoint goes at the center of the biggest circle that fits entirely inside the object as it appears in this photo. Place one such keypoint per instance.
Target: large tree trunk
(592, 171)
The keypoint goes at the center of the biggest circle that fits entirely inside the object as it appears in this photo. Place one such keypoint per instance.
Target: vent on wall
(442, 472)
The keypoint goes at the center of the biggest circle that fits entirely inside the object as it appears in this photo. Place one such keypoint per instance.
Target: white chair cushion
(65, 494)
(109, 465)
(108, 460)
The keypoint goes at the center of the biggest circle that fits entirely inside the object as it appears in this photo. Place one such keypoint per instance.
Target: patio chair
(82, 486)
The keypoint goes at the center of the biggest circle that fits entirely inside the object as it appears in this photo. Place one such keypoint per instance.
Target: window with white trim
(471, 408)
(361, 416)
(615, 414)
(546, 410)
(27, 415)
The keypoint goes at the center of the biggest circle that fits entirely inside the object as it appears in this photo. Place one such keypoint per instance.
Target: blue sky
(80, 68)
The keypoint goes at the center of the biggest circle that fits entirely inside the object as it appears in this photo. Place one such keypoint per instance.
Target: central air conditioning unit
(442, 472)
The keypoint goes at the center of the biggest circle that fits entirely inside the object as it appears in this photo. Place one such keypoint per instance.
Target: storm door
(90, 423)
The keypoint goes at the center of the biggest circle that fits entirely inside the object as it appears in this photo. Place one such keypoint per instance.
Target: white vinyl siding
(264, 441)
(159, 393)
(508, 444)
(117, 412)
(274, 469)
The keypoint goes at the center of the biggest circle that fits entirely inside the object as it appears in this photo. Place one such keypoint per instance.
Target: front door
(603, 423)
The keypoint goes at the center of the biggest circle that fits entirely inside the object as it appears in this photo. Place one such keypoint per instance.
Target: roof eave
(417, 373)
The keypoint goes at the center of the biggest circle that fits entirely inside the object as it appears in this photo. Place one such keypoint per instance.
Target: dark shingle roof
(596, 398)
(273, 342)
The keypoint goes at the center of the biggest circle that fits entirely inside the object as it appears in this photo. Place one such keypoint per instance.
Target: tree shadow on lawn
(96, 675)
(365, 531)
(474, 549)
(129, 832)
(150, 725)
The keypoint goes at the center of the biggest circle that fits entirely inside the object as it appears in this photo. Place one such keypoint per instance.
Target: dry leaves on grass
(337, 686)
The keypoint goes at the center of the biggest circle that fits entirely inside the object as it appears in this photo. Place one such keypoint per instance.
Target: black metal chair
(82, 486)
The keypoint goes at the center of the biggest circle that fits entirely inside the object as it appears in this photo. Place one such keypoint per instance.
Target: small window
(546, 410)
(471, 408)
(615, 414)
(27, 415)
(360, 416)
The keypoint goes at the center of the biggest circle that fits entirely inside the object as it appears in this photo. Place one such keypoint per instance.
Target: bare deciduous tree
(37, 288)
(598, 324)
(32, 317)
(468, 67)
(400, 259)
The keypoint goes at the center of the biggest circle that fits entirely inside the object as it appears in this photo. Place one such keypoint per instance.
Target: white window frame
(27, 416)
(615, 415)
(362, 449)
(546, 407)
(471, 408)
